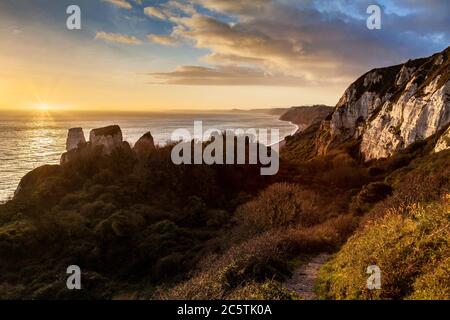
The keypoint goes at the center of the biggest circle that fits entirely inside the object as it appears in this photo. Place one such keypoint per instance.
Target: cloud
(235, 7)
(175, 8)
(274, 48)
(120, 3)
(155, 13)
(225, 76)
(163, 40)
(118, 38)
(320, 42)
(170, 9)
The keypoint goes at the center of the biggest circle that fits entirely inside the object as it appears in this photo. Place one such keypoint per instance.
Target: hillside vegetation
(141, 227)
(145, 228)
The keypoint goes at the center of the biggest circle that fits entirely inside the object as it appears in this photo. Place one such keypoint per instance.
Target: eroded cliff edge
(388, 109)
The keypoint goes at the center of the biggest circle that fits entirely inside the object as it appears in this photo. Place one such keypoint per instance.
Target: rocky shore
(107, 138)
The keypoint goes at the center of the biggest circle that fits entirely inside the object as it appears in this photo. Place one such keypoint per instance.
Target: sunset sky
(203, 54)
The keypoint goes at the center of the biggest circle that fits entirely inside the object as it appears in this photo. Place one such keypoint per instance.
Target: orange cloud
(155, 13)
(120, 3)
(117, 37)
(225, 76)
(163, 40)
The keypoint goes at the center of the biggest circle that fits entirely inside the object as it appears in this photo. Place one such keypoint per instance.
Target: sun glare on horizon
(42, 106)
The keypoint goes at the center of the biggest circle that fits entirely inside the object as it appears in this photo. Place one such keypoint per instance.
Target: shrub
(369, 195)
(269, 290)
(345, 177)
(376, 171)
(434, 283)
(280, 205)
(243, 264)
(406, 244)
(426, 180)
(11, 292)
(254, 268)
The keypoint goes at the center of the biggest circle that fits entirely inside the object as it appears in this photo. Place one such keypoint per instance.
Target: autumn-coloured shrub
(433, 284)
(425, 180)
(369, 195)
(244, 270)
(280, 205)
(411, 247)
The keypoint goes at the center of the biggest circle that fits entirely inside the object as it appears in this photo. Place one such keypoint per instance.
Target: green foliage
(127, 222)
(269, 290)
(369, 195)
(433, 284)
(280, 205)
(255, 267)
(407, 244)
(134, 224)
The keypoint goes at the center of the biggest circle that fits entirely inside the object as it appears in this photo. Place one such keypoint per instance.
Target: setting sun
(43, 106)
(254, 155)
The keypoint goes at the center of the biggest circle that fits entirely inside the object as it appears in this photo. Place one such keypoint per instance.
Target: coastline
(16, 161)
(282, 142)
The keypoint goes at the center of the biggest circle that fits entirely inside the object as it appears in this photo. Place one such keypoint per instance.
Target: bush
(369, 195)
(433, 284)
(406, 244)
(269, 290)
(279, 206)
(256, 260)
(254, 268)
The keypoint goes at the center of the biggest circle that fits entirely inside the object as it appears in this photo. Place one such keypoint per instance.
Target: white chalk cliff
(443, 142)
(390, 108)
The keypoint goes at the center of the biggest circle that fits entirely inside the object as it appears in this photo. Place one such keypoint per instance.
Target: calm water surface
(34, 139)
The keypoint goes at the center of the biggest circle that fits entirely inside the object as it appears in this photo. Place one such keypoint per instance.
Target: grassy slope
(143, 229)
(406, 235)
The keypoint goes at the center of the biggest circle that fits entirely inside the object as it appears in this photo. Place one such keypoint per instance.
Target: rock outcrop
(36, 178)
(109, 138)
(145, 145)
(390, 108)
(66, 156)
(443, 142)
(74, 138)
(307, 115)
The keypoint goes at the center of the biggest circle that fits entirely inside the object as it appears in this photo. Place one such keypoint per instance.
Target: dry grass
(411, 245)
(248, 270)
(281, 205)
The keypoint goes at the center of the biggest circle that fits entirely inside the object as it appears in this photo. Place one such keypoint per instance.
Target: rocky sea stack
(108, 137)
(144, 145)
(74, 138)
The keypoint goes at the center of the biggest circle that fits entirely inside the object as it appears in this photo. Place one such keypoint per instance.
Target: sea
(32, 139)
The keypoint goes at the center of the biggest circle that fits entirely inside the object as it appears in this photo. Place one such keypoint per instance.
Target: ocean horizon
(34, 139)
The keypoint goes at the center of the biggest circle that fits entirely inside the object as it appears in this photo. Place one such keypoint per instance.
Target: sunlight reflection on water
(29, 142)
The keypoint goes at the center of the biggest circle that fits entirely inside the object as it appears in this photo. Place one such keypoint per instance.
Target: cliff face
(306, 116)
(443, 142)
(390, 108)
